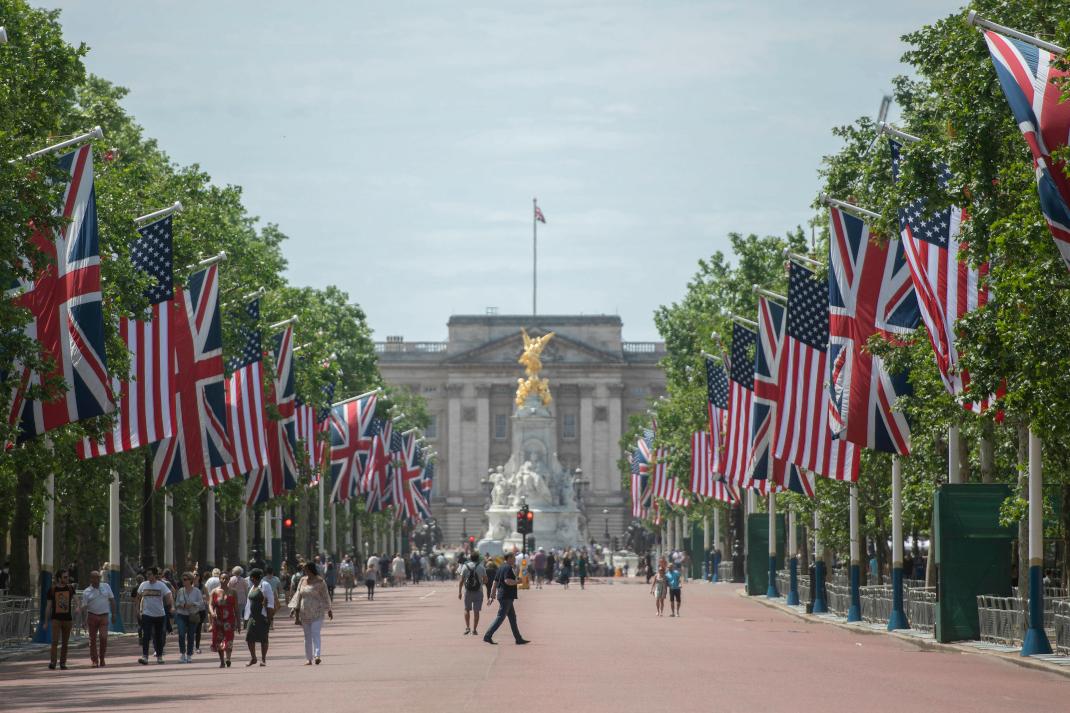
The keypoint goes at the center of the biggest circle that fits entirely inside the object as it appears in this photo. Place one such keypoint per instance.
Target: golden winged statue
(532, 362)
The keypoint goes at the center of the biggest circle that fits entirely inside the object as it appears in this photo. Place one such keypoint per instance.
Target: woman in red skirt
(223, 611)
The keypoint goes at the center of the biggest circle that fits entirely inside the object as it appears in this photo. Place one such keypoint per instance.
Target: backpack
(471, 578)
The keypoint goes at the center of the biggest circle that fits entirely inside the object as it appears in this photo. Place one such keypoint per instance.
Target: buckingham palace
(469, 381)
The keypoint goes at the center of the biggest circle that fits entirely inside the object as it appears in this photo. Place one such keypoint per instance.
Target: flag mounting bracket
(220, 257)
(799, 257)
(849, 207)
(759, 290)
(712, 357)
(886, 128)
(975, 20)
(95, 133)
(365, 395)
(283, 323)
(743, 321)
(175, 207)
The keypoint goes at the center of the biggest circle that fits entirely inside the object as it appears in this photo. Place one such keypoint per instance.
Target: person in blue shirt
(505, 586)
(673, 578)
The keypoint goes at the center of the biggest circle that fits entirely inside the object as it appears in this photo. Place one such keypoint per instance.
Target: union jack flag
(422, 497)
(740, 404)
(408, 475)
(312, 421)
(376, 477)
(947, 287)
(538, 214)
(802, 435)
(200, 441)
(68, 320)
(353, 427)
(146, 402)
(716, 412)
(280, 473)
(245, 404)
(639, 485)
(1033, 87)
(870, 292)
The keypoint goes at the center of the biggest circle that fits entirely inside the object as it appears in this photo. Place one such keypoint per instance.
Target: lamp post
(579, 483)
(464, 524)
(605, 514)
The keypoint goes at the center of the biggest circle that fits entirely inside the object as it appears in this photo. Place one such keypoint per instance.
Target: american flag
(279, 475)
(200, 441)
(146, 402)
(1033, 86)
(68, 319)
(802, 435)
(740, 403)
(664, 485)
(408, 474)
(353, 427)
(538, 214)
(245, 403)
(716, 412)
(870, 293)
(702, 473)
(725, 492)
(948, 288)
(312, 421)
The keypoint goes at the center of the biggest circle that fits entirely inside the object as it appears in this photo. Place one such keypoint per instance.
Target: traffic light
(471, 540)
(287, 523)
(521, 522)
(530, 525)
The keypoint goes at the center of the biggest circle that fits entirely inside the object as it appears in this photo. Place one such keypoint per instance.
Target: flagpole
(534, 254)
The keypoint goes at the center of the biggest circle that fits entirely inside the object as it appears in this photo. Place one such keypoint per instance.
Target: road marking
(428, 594)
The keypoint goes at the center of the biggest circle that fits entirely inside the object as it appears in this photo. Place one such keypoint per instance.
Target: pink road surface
(596, 650)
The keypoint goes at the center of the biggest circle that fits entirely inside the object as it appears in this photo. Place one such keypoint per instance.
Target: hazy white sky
(399, 144)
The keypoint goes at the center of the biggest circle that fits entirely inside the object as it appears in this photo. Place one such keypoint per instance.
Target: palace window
(568, 426)
(501, 426)
(431, 432)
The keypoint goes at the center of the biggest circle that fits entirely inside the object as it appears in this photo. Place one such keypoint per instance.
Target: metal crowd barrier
(18, 620)
(838, 598)
(1004, 619)
(1062, 626)
(876, 603)
(724, 572)
(804, 588)
(920, 605)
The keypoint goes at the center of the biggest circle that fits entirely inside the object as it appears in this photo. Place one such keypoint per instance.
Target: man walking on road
(505, 587)
(98, 601)
(470, 588)
(673, 578)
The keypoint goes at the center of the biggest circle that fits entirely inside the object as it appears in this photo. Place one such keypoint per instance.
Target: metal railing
(411, 347)
(724, 572)
(920, 605)
(876, 603)
(1062, 626)
(642, 347)
(1003, 620)
(18, 620)
(838, 598)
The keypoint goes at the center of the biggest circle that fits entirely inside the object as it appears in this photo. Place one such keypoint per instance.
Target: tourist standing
(259, 606)
(240, 585)
(673, 579)
(330, 576)
(470, 587)
(659, 588)
(505, 587)
(566, 568)
(540, 567)
(154, 603)
(223, 611)
(309, 605)
(397, 570)
(98, 602)
(58, 616)
(581, 569)
(370, 575)
(188, 603)
(551, 562)
(345, 571)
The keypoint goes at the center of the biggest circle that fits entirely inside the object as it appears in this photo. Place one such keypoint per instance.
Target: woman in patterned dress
(223, 611)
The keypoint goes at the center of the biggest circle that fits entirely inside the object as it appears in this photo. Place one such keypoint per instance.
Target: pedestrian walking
(566, 568)
(259, 606)
(223, 612)
(203, 610)
(240, 586)
(58, 617)
(276, 592)
(505, 587)
(397, 570)
(470, 588)
(540, 567)
(370, 574)
(154, 604)
(348, 577)
(309, 605)
(491, 565)
(581, 569)
(673, 579)
(658, 589)
(330, 576)
(98, 603)
(188, 602)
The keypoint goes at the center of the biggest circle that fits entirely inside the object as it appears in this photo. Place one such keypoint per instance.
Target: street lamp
(464, 524)
(605, 514)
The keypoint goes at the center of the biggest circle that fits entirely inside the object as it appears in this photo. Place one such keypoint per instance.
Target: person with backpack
(470, 588)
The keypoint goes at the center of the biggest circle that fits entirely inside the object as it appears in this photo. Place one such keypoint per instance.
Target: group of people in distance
(227, 601)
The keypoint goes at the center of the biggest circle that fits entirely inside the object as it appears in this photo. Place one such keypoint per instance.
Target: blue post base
(1036, 639)
(793, 582)
(854, 613)
(771, 592)
(115, 581)
(43, 635)
(898, 617)
(820, 605)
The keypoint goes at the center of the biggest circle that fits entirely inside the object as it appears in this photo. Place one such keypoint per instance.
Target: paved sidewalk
(596, 650)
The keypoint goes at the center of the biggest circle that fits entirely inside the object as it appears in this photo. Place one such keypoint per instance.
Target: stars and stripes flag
(409, 471)
(947, 287)
(146, 403)
(279, 475)
(64, 300)
(716, 412)
(665, 486)
(245, 403)
(353, 428)
(703, 475)
(870, 293)
(200, 440)
(740, 403)
(1033, 86)
(639, 483)
(725, 492)
(803, 436)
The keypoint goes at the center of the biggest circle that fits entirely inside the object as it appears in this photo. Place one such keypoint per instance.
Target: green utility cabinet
(973, 555)
(758, 550)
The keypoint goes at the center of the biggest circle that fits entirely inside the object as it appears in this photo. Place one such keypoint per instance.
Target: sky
(400, 144)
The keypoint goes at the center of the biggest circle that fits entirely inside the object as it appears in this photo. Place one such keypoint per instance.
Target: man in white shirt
(98, 602)
(212, 584)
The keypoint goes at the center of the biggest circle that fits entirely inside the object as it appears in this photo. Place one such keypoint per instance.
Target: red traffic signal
(531, 516)
(471, 540)
(288, 522)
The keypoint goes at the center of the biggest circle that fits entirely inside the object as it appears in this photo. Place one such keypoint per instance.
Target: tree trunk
(21, 523)
(964, 460)
(988, 460)
(1023, 524)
